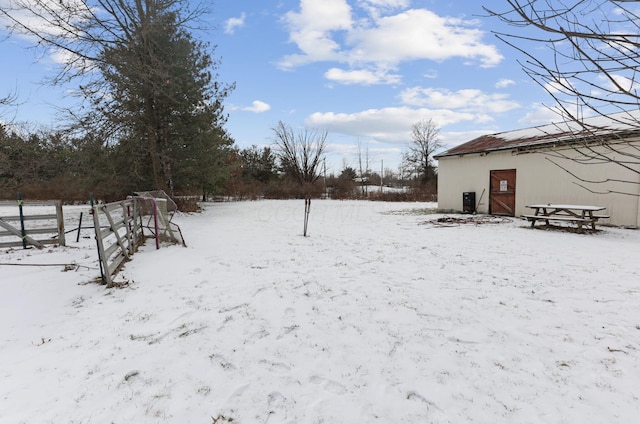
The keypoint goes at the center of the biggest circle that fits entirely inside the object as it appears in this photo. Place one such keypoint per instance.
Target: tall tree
(425, 137)
(258, 165)
(164, 104)
(589, 68)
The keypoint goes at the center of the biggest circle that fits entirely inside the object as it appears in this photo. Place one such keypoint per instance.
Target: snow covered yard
(376, 317)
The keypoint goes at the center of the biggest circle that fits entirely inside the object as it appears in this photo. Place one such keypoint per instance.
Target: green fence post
(22, 230)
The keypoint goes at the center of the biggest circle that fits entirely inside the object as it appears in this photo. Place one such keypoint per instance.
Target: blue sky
(364, 70)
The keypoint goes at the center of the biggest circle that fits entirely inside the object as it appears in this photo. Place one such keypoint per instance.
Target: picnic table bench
(577, 214)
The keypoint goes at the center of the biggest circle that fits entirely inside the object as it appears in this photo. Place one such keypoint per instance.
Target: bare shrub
(187, 203)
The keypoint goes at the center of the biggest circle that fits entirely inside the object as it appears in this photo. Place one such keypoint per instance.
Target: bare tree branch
(364, 163)
(591, 68)
(425, 137)
(300, 153)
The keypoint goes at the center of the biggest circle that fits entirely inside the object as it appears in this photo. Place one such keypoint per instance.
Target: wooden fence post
(60, 219)
(96, 226)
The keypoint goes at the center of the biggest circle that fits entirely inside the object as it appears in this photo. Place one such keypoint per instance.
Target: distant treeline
(58, 166)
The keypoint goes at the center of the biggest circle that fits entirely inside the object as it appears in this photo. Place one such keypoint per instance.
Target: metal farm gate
(120, 228)
(118, 234)
(26, 229)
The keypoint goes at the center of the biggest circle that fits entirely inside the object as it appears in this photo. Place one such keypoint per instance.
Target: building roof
(560, 133)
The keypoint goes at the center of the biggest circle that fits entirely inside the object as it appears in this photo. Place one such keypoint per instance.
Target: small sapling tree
(301, 154)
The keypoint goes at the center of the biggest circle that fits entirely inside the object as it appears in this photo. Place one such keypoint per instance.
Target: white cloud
(627, 84)
(350, 151)
(376, 8)
(539, 114)
(466, 99)
(558, 86)
(332, 31)
(421, 34)
(258, 107)
(50, 20)
(362, 77)
(391, 125)
(233, 23)
(385, 4)
(431, 74)
(504, 83)
(55, 18)
(64, 56)
(311, 29)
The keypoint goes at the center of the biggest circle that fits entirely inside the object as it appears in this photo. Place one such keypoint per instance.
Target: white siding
(540, 181)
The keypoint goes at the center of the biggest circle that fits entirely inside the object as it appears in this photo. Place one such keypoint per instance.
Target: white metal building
(594, 163)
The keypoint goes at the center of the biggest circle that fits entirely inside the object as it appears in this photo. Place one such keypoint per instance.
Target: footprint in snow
(331, 386)
(202, 283)
(276, 400)
(418, 397)
(279, 367)
(335, 387)
(315, 379)
(257, 336)
(287, 330)
(222, 362)
(238, 391)
(276, 367)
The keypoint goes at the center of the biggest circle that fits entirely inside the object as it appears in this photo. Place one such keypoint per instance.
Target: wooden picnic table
(577, 214)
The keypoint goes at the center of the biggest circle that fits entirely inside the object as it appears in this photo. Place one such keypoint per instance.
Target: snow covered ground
(378, 316)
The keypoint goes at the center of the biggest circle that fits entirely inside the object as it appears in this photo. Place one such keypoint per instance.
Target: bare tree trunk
(363, 167)
(156, 163)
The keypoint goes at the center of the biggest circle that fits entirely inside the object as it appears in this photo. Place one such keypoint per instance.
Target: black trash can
(469, 202)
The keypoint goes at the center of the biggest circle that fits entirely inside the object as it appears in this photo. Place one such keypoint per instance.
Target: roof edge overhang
(571, 142)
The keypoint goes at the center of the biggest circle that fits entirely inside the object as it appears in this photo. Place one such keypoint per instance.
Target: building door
(502, 192)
